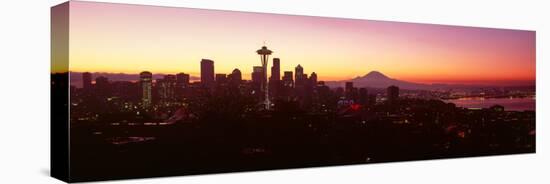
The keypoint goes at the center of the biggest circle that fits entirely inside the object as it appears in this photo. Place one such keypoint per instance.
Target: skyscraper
(298, 75)
(393, 94)
(313, 79)
(182, 80)
(207, 72)
(182, 83)
(87, 80)
(166, 89)
(349, 86)
(235, 77)
(349, 90)
(276, 70)
(146, 81)
(287, 79)
(275, 79)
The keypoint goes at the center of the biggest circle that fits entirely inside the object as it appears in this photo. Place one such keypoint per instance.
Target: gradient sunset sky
(119, 38)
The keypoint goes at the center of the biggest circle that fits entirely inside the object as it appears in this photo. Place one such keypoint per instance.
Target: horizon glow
(120, 38)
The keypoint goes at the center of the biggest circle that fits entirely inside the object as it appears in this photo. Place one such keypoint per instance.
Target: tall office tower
(87, 81)
(393, 94)
(276, 70)
(207, 72)
(299, 83)
(349, 90)
(287, 79)
(182, 83)
(182, 80)
(264, 56)
(299, 75)
(166, 89)
(313, 79)
(275, 79)
(146, 81)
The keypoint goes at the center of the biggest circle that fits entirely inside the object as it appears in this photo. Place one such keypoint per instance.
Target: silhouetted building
(126, 90)
(87, 81)
(207, 72)
(182, 80)
(299, 75)
(287, 79)
(146, 81)
(276, 70)
(313, 79)
(235, 77)
(221, 78)
(393, 94)
(275, 85)
(349, 90)
(182, 85)
(166, 89)
(299, 82)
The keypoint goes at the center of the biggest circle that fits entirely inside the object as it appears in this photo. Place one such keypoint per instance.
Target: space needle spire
(264, 54)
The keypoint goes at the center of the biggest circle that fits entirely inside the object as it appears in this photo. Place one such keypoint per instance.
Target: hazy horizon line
(479, 83)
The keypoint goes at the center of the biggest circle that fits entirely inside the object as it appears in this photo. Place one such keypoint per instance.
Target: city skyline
(148, 91)
(337, 49)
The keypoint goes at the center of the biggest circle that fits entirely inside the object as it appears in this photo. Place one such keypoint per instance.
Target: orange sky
(117, 38)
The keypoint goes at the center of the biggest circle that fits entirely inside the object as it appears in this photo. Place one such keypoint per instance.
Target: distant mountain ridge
(375, 79)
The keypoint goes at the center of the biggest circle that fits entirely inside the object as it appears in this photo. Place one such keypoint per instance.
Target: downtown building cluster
(155, 93)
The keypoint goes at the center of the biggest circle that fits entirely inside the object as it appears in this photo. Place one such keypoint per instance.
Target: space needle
(264, 54)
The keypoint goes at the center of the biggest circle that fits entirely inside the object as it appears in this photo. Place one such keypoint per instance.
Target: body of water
(510, 104)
